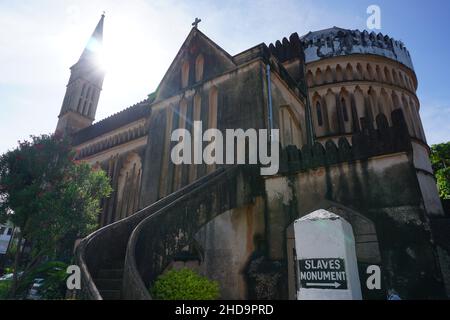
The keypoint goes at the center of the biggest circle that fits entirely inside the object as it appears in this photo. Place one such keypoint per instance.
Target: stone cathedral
(352, 143)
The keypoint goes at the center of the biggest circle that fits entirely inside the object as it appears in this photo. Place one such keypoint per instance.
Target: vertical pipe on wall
(269, 102)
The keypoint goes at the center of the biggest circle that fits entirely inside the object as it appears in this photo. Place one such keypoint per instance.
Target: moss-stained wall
(382, 189)
(237, 107)
(228, 243)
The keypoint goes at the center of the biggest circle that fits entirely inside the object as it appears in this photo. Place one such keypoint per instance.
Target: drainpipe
(309, 124)
(269, 102)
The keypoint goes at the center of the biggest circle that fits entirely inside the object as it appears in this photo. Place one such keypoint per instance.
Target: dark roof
(120, 119)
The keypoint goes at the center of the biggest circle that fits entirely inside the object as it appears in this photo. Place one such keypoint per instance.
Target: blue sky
(41, 39)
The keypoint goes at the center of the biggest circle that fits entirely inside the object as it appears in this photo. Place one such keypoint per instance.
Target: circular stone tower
(353, 76)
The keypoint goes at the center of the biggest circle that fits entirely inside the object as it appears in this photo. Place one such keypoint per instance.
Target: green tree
(52, 199)
(440, 160)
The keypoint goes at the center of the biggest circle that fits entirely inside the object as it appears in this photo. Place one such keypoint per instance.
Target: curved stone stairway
(121, 260)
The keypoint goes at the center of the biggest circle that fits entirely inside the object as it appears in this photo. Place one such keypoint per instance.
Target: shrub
(184, 284)
(54, 275)
(4, 289)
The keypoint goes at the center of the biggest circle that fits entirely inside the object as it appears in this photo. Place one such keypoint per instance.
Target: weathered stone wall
(372, 183)
(237, 107)
(228, 243)
(382, 190)
(378, 183)
(158, 239)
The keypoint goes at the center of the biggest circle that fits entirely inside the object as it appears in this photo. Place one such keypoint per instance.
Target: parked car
(35, 291)
(10, 276)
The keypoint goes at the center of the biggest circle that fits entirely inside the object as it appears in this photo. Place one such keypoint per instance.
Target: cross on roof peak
(196, 22)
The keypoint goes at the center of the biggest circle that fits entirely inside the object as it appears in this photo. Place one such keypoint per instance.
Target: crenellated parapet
(336, 42)
(362, 145)
(286, 50)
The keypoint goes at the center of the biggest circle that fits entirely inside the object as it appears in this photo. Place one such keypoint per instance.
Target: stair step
(108, 284)
(110, 274)
(116, 264)
(110, 294)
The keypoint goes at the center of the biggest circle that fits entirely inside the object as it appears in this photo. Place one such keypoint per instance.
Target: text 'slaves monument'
(352, 143)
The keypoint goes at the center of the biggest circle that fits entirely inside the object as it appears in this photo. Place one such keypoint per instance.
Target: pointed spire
(84, 87)
(95, 42)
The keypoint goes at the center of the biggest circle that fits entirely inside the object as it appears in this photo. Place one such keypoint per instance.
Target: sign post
(326, 263)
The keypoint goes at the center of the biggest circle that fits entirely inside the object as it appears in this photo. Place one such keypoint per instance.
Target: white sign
(326, 263)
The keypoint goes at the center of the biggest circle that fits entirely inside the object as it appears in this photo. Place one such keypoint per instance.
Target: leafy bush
(4, 289)
(54, 275)
(184, 284)
(9, 270)
(53, 287)
(440, 159)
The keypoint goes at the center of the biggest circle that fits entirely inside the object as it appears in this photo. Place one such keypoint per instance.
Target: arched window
(344, 110)
(387, 75)
(359, 72)
(328, 75)
(402, 80)
(83, 90)
(319, 77)
(182, 124)
(310, 79)
(196, 117)
(369, 72)
(128, 186)
(88, 95)
(185, 75)
(79, 105)
(319, 114)
(212, 118)
(349, 72)
(199, 63)
(379, 75)
(339, 74)
(395, 77)
(212, 122)
(80, 108)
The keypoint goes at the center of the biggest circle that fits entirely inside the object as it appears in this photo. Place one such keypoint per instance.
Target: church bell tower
(84, 87)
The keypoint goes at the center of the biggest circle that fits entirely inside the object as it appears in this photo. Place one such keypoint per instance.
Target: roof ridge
(114, 121)
(120, 112)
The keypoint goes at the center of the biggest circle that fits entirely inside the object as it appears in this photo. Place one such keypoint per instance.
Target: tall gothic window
(212, 117)
(319, 114)
(344, 110)
(212, 108)
(129, 186)
(199, 64)
(185, 75)
(196, 117)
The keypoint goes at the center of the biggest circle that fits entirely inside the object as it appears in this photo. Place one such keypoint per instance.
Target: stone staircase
(109, 281)
(101, 255)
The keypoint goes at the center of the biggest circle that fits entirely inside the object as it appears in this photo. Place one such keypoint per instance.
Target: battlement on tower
(335, 42)
(286, 50)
